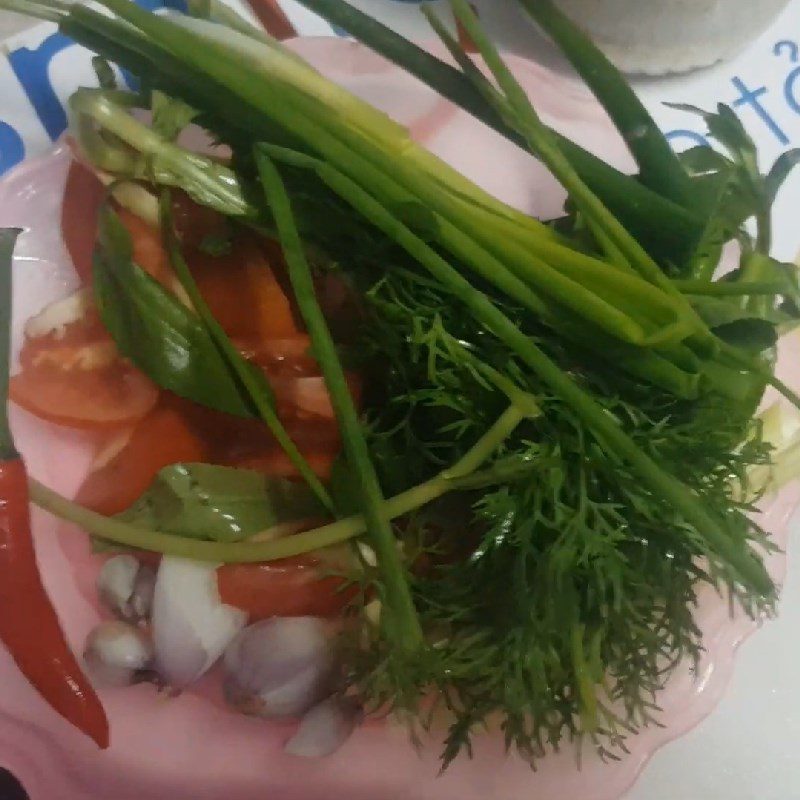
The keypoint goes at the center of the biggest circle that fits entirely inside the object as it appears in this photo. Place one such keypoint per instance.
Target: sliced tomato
(164, 437)
(83, 195)
(148, 249)
(306, 396)
(285, 357)
(74, 376)
(107, 398)
(195, 223)
(276, 464)
(243, 292)
(292, 587)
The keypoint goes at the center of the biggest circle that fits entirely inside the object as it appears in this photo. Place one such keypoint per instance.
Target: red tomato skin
(243, 292)
(290, 587)
(55, 384)
(83, 196)
(99, 400)
(164, 437)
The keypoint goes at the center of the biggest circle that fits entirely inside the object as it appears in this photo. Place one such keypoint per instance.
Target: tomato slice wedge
(83, 195)
(74, 377)
(107, 398)
(164, 437)
(243, 292)
(292, 587)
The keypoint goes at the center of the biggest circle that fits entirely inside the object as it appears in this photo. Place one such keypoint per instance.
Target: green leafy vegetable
(151, 327)
(658, 223)
(749, 193)
(220, 504)
(170, 117)
(557, 437)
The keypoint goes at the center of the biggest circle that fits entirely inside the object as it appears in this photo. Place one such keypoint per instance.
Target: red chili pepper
(29, 626)
(273, 18)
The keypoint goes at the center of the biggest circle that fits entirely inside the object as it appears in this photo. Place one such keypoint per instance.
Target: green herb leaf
(750, 194)
(220, 504)
(719, 311)
(170, 116)
(162, 337)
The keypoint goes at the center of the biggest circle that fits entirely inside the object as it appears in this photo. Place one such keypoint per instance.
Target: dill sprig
(564, 598)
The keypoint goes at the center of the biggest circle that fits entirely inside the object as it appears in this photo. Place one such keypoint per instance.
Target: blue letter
(12, 149)
(31, 68)
(750, 97)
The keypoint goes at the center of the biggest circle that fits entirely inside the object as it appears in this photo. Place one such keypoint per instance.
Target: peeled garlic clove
(325, 728)
(280, 667)
(191, 626)
(116, 652)
(126, 586)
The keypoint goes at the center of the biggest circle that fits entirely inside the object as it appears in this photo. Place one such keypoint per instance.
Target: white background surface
(749, 748)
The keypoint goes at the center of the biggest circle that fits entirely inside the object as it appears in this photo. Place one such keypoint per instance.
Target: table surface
(747, 748)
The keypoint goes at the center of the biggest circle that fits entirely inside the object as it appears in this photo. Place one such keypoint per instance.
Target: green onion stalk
(331, 122)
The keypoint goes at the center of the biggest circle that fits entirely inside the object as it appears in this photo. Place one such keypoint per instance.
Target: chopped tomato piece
(306, 396)
(75, 377)
(82, 198)
(105, 398)
(148, 249)
(164, 437)
(195, 223)
(276, 464)
(243, 293)
(292, 587)
(285, 357)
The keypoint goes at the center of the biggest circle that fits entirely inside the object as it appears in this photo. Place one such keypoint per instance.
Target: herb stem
(485, 446)
(398, 599)
(250, 552)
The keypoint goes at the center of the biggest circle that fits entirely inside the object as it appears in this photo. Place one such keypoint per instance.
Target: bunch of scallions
(556, 451)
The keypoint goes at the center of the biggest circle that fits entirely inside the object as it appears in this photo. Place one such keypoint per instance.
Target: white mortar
(661, 36)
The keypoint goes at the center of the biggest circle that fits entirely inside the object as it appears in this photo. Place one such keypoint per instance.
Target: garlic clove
(325, 728)
(126, 587)
(116, 652)
(280, 667)
(191, 626)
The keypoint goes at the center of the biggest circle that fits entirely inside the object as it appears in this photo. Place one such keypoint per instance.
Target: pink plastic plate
(191, 747)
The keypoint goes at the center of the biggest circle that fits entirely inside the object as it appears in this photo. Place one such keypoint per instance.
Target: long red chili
(29, 626)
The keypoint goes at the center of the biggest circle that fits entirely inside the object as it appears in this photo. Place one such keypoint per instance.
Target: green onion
(400, 606)
(659, 167)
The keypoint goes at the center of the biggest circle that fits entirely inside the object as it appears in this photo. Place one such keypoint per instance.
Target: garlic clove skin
(126, 587)
(280, 667)
(116, 653)
(141, 601)
(191, 626)
(325, 728)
